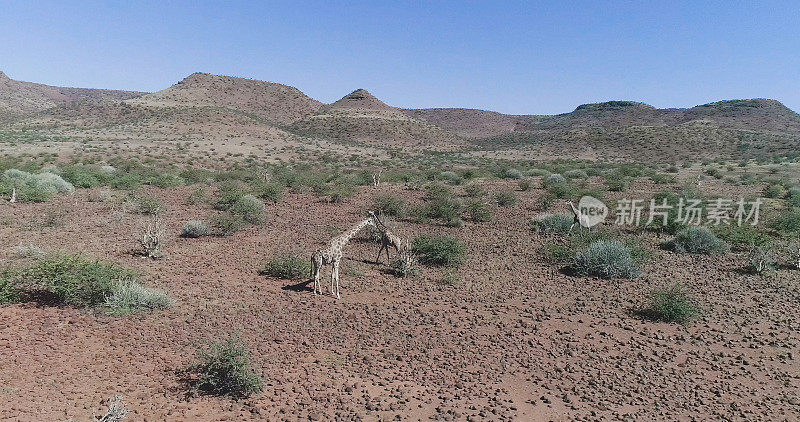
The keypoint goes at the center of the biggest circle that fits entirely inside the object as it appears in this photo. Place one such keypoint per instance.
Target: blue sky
(512, 57)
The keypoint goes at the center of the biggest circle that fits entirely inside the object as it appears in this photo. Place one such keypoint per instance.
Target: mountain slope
(280, 104)
(360, 117)
(213, 110)
(19, 98)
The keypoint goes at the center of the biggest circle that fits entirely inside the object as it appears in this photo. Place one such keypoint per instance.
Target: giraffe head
(376, 220)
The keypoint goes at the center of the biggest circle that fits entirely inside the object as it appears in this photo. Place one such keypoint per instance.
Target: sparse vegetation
(438, 250)
(553, 223)
(30, 187)
(130, 297)
(389, 205)
(405, 264)
(249, 208)
(227, 224)
(697, 240)
(479, 211)
(505, 199)
(607, 259)
(761, 260)
(671, 304)
(81, 282)
(788, 223)
(290, 267)
(225, 370)
(474, 190)
(194, 229)
(153, 237)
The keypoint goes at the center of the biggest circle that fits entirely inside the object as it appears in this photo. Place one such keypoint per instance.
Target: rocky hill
(280, 104)
(19, 98)
(264, 115)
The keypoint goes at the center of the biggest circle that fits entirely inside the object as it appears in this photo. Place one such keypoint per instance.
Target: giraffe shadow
(303, 286)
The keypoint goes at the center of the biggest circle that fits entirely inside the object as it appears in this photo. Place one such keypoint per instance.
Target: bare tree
(116, 411)
(153, 237)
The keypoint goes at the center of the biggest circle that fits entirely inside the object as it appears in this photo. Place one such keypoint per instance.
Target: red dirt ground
(515, 339)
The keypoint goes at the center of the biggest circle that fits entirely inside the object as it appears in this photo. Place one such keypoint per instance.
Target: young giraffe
(332, 255)
(578, 217)
(388, 239)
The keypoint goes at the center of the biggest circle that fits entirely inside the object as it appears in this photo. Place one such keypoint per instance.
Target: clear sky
(513, 57)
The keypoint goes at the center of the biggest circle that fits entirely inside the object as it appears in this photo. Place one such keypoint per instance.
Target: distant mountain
(19, 98)
(360, 117)
(280, 104)
(268, 116)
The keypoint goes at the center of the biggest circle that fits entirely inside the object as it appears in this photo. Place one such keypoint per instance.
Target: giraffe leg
(388, 260)
(336, 276)
(334, 267)
(378, 259)
(316, 278)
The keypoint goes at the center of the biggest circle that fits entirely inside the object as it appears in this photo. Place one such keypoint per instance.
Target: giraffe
(388, 239)
(579, 217)
(332, 254)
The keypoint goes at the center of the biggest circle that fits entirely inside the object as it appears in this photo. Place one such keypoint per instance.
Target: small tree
(153, 237)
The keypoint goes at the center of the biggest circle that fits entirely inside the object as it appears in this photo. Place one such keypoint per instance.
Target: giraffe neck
(344, 238)
(574, 208)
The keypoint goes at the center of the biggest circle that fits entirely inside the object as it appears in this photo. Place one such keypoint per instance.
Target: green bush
(290, 267)
(474, 190)
(525, 184)
(389, 205)
(512, 174)
(198, 196)
(662, 179)
(194, 229)
(130, 297)
(553, 223)
(166, 180)
(576, 174)
(479, 211)
(617, 181)
(227, 224)
(405, 265)
(230, 191)
(447, 209)
(607, 259)
(338, 193)
(671, 304)
(38, 187)
(9, 291)
(125, 181)
(742, 237)
(774, 190)
(71, 279)
(225, 370)
(438, 250)
(450, 177)
(788, 222)
(761, 260)
(434, 191)
(557, 186)
(82, 176)
(271, 192)
(554, 179)
(505, 199)
(250, 208)
(148, 205)
(794, 197)
(697, 240)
